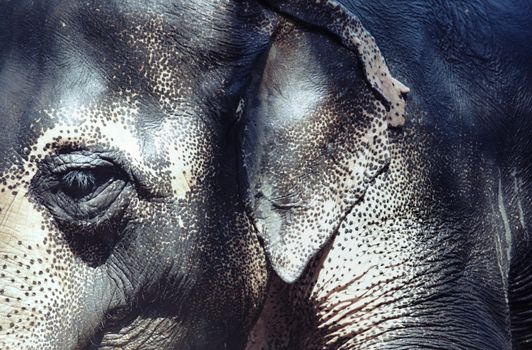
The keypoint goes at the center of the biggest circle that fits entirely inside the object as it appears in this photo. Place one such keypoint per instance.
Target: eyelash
(83, 180)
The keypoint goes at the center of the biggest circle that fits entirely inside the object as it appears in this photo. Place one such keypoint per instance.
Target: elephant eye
(82, 188)
(80, 183)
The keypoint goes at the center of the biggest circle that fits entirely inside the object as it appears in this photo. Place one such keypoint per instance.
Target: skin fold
(201, 175)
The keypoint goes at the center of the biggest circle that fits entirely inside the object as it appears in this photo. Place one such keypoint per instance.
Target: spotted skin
(336, 151)
(435, 255)
(301, 199)
(120, 159)
(118, 206)
(171, 166)
(337, 19)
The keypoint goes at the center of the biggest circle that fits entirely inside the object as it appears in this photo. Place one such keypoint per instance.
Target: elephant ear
(315, 131)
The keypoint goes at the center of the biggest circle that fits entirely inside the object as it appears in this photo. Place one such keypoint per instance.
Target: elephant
(241, 174)
(436, 254)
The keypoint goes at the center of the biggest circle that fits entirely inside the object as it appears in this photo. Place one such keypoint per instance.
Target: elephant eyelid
(65, 162)
(82, 185)
(111, 162)
(61, 164)
(65, 168)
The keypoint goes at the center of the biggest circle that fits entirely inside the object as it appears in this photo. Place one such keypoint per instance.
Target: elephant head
(157, 158)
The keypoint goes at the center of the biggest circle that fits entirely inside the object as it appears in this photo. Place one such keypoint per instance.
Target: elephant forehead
(131, 92)
(114, 60)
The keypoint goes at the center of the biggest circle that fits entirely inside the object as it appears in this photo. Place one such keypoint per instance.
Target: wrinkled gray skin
(238, 174)
(121, 221)
(437, 254)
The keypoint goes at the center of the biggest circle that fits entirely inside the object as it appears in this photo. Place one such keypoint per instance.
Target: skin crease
(422, 239)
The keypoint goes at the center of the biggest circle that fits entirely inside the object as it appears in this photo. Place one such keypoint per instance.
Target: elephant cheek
(40, 284)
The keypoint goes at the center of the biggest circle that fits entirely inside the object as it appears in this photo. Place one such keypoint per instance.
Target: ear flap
(315, 132)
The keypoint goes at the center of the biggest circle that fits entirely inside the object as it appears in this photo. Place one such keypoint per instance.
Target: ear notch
(336, 19)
